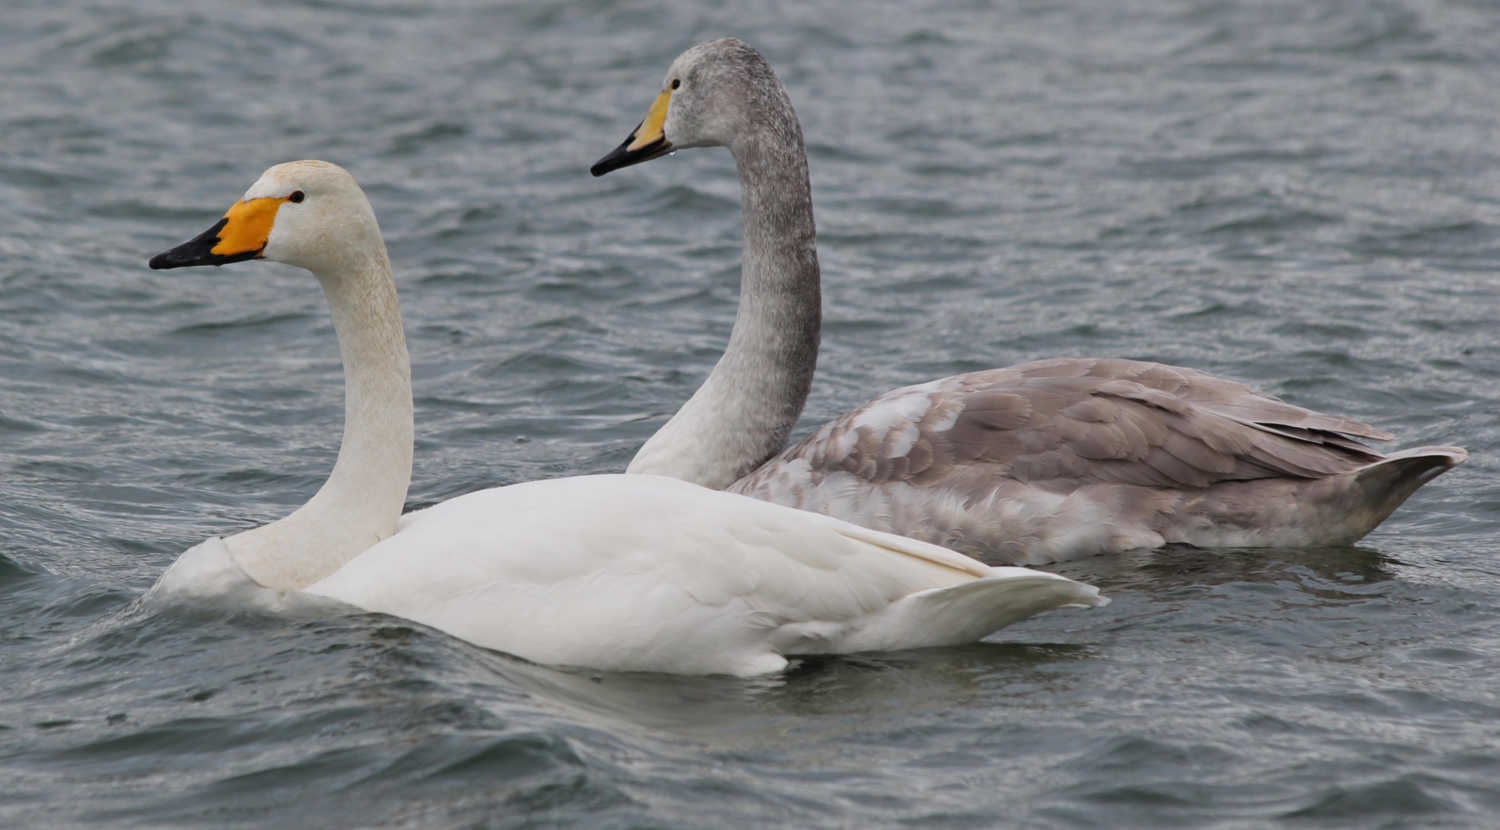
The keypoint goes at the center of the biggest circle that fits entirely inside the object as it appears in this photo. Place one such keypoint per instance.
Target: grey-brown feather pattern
(1076, 420)
(1048, 460)
(1147, 453)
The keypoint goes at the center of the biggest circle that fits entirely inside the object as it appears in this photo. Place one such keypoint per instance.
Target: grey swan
(1042, 462)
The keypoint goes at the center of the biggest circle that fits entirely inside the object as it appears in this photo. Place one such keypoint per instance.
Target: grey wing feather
(1066, 422)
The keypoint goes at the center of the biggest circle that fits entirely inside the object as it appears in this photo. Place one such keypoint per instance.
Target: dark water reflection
(1298, 195)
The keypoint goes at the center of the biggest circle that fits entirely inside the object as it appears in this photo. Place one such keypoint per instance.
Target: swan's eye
(296, 197)
(676, 82)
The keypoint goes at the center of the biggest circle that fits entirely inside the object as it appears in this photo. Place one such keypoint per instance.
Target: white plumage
(648, 573)
(631, 573)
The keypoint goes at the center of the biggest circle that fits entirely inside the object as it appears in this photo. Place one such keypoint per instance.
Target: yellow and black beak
(646, 143)
(239, 236)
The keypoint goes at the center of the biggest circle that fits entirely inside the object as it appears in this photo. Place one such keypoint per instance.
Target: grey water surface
(1301, 195)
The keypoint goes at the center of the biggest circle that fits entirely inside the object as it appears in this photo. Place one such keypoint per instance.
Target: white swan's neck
(362, 500)
(743, 413)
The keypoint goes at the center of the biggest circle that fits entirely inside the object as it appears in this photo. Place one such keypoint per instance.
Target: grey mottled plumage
(1069, 457)
(1035, 463)
(745, 410)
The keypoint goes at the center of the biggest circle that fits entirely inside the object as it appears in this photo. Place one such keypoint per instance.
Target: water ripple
(1298, 196)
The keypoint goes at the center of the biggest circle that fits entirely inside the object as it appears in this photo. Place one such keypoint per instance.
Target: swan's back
(651, 573)
(1068, 457)
(1065, 422)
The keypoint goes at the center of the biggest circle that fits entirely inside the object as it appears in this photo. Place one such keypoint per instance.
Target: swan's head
(715, 93)
(305, 213)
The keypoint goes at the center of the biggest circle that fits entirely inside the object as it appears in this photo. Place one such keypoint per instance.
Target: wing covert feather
(1067, 422)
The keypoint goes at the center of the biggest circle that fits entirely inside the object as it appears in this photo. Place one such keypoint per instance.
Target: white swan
(611, 572)
(1039, 462)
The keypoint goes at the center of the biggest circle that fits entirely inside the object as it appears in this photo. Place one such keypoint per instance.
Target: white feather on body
(645, 573)
(638, 573)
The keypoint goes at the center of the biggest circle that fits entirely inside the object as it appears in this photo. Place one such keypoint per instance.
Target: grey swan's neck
(744, 411)
(362, 499)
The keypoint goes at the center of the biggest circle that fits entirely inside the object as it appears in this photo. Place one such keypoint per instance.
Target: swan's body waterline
(1036, 463)
(663, 575)
(640, 573)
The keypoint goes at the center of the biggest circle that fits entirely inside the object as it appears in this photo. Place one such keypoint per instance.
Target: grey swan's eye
(296, 197)
(676, 82)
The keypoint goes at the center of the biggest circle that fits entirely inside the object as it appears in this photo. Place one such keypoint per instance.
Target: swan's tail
(1384, 485)
(970, 611)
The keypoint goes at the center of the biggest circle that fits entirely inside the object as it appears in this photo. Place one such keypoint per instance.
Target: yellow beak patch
(248, 226)
(651, 129)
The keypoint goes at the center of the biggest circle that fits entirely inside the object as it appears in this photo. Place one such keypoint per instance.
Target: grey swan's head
(715, 94)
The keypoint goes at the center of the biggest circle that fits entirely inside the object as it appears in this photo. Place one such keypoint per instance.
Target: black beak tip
(613, 160)
(622, 156)
(199, 251)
